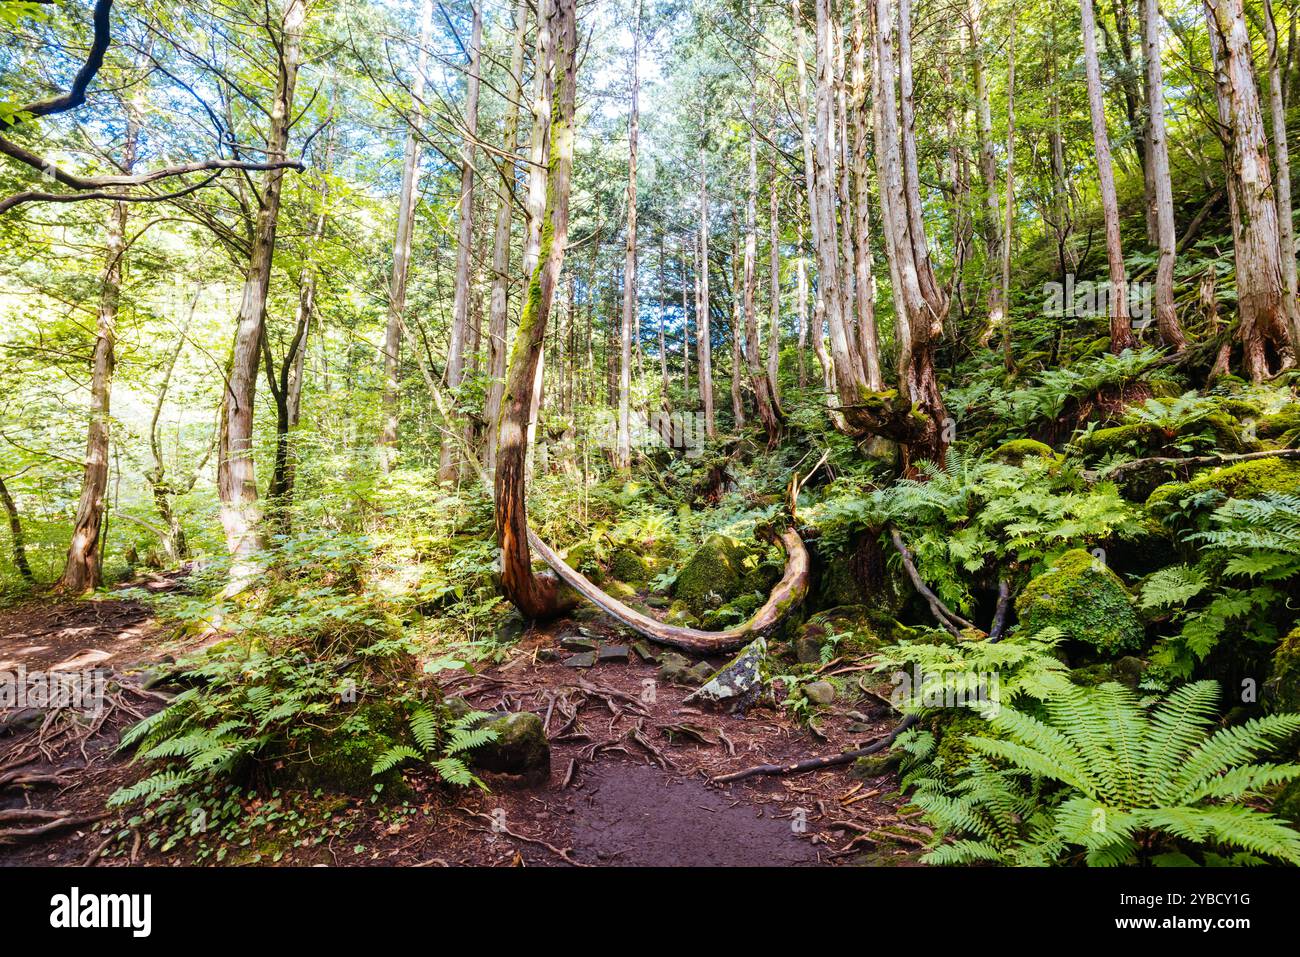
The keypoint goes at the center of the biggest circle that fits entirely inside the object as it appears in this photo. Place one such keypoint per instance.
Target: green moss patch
(1086, 600)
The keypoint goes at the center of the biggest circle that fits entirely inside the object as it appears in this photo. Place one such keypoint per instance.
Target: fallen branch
(1095, 475)
(950, 620)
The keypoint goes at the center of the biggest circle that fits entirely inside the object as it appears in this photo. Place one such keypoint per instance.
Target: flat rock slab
(636, 815)
(584, 659)
(613, 653)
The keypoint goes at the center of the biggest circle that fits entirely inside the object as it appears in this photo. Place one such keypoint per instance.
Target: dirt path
(629, 779)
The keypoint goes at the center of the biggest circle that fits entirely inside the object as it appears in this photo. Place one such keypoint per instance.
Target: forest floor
(628, 783)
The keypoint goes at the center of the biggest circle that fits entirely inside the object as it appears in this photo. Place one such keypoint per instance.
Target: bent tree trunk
(789, 593)
(536, 596)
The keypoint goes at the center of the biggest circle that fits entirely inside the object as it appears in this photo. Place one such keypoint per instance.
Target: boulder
(1249, 479)
(712, 576)
(1086, 600)
(520, 747)
(1017, 450)
(808, 643)
(819, 692)
(737, 683)
(627, 566)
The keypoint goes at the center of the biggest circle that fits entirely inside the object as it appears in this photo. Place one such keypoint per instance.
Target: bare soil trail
(629, 782)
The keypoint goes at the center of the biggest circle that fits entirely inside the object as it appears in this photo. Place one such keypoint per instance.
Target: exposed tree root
(817, 764)
(909, 721)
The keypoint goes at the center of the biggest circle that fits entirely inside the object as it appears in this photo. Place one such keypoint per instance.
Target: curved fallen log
(788, 593)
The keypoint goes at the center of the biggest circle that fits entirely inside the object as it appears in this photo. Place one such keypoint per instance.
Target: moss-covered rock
(1086, 600)
(1133, 439)
(1279, 423)
(1249, 479)
(627, 566)
(520, 747)
(712, 576)
(679, 614)
(876, 765)
(585, 558)
(1017, 450)
(341, 759)
(620, 590)
(1284, 677)
(808, 643)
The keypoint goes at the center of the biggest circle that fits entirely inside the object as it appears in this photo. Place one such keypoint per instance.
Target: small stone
(807, 650)
(574, 643)
(819, 692)
(672, 667)
(644, 651)
(657, 601)
(583, 659)
(698, 674)
(613, 653)
(510, 630)
(550, 654)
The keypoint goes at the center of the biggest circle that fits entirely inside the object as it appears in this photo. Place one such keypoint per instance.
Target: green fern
(1120, 784)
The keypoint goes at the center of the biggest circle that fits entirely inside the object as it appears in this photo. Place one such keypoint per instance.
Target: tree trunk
(1171, 332)
(402, 251)
(774, 304)
(767, 411)
(1004, 296)
(536, 596)
(988, 171)
(850, 380)
(1265, 338)
(1121, 332)
(17, 540)
(623, 452)
(703, 323)
(1282, 165)
(287, 390)
(864, 281)
(236, 478)
(82, 571)
(917, 419)
(663, 343)
(801, 306)
(448, 467)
